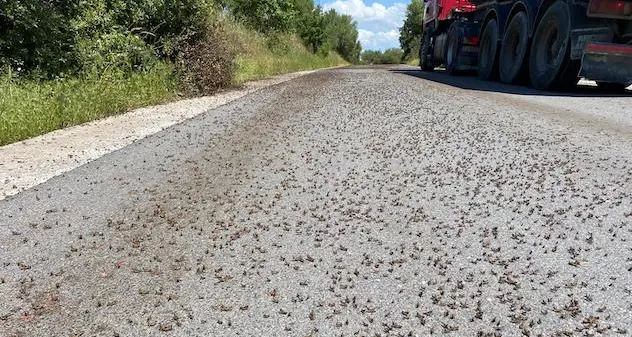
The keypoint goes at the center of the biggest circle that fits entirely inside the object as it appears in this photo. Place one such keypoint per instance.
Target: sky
(378, 20)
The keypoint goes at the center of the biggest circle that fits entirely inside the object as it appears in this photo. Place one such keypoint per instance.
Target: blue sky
(378, 21)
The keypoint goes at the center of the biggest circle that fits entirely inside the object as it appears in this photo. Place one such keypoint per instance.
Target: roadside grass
(260, 56)
(413, 62)
(262, 66)
(29, 108)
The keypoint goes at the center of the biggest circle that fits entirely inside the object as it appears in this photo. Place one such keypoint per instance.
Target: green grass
(260, 57)
(29, 108)
(263, 66)
(413, 62)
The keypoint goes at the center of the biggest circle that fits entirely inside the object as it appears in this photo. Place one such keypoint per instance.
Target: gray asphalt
(349, 202)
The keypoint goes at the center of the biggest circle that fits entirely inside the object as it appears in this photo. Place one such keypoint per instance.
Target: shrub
(124, 52)
(205, 64)
(34, 34)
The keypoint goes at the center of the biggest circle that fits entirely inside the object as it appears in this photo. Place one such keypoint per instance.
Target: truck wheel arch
(490, 15)
(542, 9)
(521, 6)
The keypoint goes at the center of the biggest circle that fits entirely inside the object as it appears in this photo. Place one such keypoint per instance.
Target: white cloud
(378, 24)
(378, 40)
(391, 16)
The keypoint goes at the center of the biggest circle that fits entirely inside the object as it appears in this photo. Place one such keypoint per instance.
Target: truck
(548, 43)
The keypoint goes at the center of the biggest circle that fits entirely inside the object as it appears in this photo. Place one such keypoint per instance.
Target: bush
(207, 64)
(65, 36)
(36, 35)
(124, 52)
(265, 15)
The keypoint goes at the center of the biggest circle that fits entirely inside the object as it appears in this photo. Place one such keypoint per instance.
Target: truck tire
(514, 50)
(488, 52)
(453, 49)
(550, 66)
(425, 53)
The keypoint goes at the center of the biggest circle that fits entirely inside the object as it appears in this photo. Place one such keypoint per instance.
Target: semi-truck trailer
(549, 43)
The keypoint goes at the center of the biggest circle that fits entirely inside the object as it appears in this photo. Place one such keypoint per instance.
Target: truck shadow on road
(473, 83)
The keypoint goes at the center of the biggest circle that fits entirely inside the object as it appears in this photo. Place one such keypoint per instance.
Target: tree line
(51, 38)
(389, 56)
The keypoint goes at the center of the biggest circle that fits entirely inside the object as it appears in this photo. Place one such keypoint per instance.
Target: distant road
(357, 201)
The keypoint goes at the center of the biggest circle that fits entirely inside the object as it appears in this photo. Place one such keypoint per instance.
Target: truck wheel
(513, 51)
(453, 50)
(488, 51)
(613, 87)
(425, 56)
(550, 66)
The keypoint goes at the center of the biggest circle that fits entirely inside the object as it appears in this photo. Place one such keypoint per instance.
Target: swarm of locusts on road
(317, 207)
(361, 200)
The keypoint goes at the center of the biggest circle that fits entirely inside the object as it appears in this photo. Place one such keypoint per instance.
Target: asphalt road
(349, 202)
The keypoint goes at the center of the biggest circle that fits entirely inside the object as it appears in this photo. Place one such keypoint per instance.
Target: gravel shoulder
(354, 201)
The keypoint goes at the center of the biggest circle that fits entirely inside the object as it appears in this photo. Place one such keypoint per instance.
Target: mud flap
(607, 62)
(468, 55)
(468, 58)
(580, 38)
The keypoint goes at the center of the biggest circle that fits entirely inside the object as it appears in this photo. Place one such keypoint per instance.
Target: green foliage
(320, 31)
(34, 34)
(311, 28)
(265, 15)
(265, 63)
(410, 32)
(389, 56)
(56, 37)
(393, 56)
(71, 61)
(64, 36)
(342, 34)
(413, 62)
(371, 57)
(125, 52)
(263, 55)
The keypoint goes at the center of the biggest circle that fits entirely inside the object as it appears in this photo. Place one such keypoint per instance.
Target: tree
(393, 56)
(265, 15)
(311, 28)
(372, 57)
(389, 56)
(34, 34)
(342, 35)
(410, 32)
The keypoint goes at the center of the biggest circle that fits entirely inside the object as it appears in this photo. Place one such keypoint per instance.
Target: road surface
(353, 202)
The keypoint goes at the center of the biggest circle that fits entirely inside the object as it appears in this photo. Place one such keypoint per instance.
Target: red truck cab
(444, 9)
